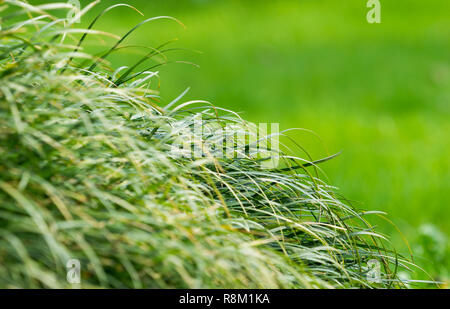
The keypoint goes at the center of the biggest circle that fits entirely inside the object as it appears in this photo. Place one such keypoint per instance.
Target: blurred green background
(378, 92)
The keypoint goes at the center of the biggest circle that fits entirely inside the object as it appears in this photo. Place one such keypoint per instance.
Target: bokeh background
(378, 92)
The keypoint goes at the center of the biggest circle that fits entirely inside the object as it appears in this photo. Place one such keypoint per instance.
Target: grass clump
(87, 173)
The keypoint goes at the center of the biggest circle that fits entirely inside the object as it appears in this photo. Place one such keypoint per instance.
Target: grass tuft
(87, 173)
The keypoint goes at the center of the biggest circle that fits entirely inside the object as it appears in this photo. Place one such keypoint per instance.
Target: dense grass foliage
(378, 92)
(87, 172)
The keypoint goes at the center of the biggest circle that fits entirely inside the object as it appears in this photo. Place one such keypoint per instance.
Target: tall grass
(87, 172)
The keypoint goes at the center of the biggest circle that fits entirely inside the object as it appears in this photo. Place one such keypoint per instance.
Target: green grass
(87, 172)
(379, 92)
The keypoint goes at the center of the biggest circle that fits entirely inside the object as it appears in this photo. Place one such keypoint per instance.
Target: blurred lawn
(379, 92)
